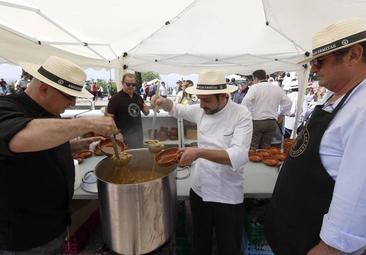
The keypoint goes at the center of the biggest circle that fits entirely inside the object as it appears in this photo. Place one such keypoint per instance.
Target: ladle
(157, 94)
(120, 159)
(115, 148)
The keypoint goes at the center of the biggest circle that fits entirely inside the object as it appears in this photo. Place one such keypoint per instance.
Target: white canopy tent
(165, 36)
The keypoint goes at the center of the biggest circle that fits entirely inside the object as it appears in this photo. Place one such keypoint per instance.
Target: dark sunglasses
(318, 62)
(66, 96)
(131, 84)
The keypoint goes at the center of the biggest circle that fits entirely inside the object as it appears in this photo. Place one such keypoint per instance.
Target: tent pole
(303, 82)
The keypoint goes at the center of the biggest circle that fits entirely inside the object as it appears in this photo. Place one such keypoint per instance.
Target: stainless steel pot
(137, 218)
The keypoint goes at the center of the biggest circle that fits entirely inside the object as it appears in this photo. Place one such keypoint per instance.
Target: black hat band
(339, 43)
(211, 87)
(59, 80)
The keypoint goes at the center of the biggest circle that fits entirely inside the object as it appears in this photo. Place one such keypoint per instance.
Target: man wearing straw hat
(319, 201)
(36, 166)
(224, 134)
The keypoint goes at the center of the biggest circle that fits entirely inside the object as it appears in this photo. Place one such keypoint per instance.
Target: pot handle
(86, 176)
(179, 169)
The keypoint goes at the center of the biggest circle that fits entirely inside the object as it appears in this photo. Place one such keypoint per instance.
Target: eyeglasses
(131, 84)
(66, 96)
(318, 62)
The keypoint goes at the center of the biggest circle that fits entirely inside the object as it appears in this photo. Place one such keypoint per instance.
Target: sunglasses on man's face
(66, 96)
(318, 62)
(130, 84)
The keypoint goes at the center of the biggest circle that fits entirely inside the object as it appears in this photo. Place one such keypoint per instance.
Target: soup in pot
(131, 175)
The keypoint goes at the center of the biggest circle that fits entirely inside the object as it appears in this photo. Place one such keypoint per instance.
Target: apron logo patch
(301, 143)
(133, 110)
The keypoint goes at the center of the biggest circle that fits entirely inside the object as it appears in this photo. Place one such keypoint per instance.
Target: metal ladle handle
(157, 94)
(114, 144)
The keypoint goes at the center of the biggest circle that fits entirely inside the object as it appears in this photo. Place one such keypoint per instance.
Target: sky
(10, 73)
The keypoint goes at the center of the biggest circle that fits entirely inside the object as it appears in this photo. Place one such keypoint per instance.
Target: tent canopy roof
(182, 36)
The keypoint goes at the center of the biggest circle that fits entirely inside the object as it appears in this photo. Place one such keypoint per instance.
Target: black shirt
(127, 116)
(35, 187)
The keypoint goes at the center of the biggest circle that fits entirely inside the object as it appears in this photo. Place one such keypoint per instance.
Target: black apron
(303, 191)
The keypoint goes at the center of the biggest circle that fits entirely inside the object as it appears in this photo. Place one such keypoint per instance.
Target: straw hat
(61, 74)
(337, 36)
(211, 82)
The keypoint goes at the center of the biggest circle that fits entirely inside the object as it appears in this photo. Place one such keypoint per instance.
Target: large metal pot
(137, 218)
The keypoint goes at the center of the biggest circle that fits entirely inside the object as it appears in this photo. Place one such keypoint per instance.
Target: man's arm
(164, 103)
(83, 143)
(236, 155)
(323, 249)
(145, 109)
(191, 154)
(43, 134)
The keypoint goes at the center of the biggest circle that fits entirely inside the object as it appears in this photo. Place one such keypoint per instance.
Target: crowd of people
(19, 86)
(318, 205)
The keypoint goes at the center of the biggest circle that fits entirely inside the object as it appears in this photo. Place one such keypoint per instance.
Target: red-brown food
(264, 154)
(255, 158)
(252, 152)
(280, 156)
(270, 162)
(273, 150)
(106, 146)
(98, 152)
(82, 154)
(168, 157)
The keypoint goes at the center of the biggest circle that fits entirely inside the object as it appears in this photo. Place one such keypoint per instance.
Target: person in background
(163, 90)
(37, 168)
(178, 85)
(290, 120)
(152, 89)
(4, 90)
(94, 90)
(233, 82)
(3, 83)
(125, 107)
(319, 202)
(100, 92)
(22, 83)
(183, 97)
(143, 91)
(240, 93)
(263, 101)
(224, 133)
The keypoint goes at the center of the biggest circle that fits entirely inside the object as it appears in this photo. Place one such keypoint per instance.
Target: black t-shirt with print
(35, 187)
(127, 116)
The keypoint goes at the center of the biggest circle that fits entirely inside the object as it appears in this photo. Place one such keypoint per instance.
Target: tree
(109, 87)
(138, 81)
(148, 76)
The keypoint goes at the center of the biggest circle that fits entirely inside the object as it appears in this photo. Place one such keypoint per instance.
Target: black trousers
(225, 219)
